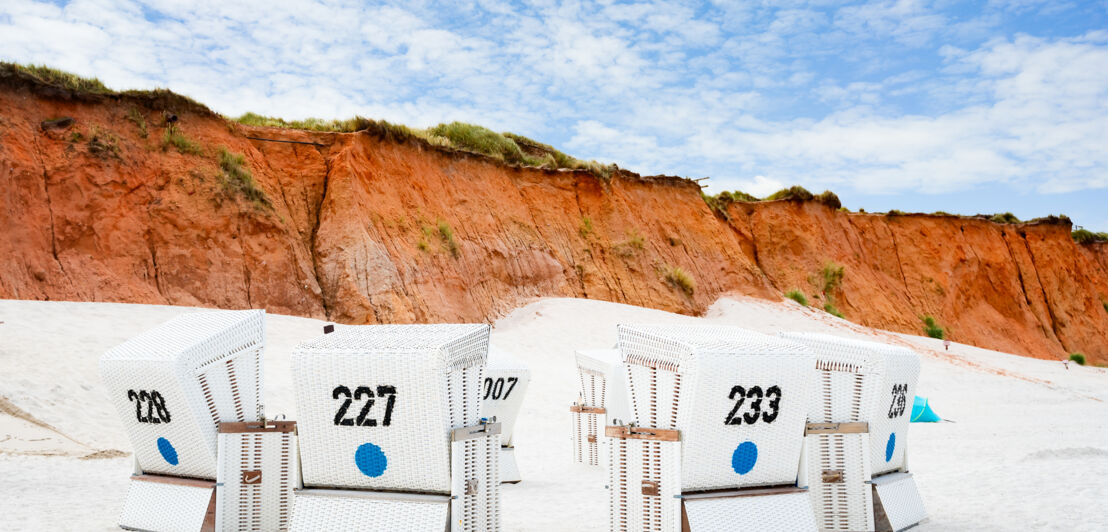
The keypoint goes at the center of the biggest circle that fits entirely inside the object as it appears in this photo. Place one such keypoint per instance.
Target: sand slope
(1028, 449)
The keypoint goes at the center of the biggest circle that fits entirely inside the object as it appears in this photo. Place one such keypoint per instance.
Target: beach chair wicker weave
(257, 473)
(475, 493)
(897, 502)
(168, 504)
(889, 406)
(885, 379)
(505, 385)
(838, 451)
(722, 413)
(602, 400)
(173, 385)
(368, 511)
(377, 403)
(785, 512)
(644, 479)
(738, 398)
(396, 408)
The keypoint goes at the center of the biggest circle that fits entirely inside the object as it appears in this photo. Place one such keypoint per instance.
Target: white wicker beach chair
(505, 385)
(602, 400)
(172, 386)
(884, 383)
(395, 408)
(722, 413)
(257, 473)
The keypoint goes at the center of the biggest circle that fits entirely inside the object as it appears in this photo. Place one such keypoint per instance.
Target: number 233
(740, 394)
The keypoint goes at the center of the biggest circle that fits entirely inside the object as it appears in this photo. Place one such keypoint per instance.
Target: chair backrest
(603, 382)
(739, 399)
(377, 403)
(887, 402)
(174, 384)
(506, 380)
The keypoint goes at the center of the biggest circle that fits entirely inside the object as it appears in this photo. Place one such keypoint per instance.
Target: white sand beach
(1026, 448)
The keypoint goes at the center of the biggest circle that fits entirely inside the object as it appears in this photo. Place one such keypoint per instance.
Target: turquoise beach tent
(922, 413)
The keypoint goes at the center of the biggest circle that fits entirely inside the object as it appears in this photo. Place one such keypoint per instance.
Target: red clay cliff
(368, 228)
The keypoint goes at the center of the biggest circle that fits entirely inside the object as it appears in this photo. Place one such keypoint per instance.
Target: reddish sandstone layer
(353, 235)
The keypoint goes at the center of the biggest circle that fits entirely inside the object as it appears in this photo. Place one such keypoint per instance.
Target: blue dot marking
(371, 460)
(167, 450)
(890, 446)
(744, 457)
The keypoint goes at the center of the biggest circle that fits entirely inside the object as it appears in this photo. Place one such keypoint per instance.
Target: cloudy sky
(947, 105)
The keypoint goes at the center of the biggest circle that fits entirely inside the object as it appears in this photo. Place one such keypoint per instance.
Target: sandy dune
(1028, 448)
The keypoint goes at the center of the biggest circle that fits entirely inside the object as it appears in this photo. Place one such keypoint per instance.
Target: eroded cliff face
(364, 228)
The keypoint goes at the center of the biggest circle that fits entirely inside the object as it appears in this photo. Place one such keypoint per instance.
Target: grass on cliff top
(37, 76)
(719, 203)
(60, 78)
(1084, 236)
(510, 148)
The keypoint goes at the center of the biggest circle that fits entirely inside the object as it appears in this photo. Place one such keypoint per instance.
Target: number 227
(363, 392)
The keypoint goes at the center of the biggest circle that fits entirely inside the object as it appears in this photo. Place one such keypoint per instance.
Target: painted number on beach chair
(156, 411)
(755, 393)
(495, 387)
(363, 392)
(900, 400)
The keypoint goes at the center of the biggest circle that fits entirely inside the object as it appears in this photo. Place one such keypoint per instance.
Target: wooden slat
(641, 433)
(752, 492)
(479, 430)
(176, 481)
(855, 427)
(238, 427)
(588, 409)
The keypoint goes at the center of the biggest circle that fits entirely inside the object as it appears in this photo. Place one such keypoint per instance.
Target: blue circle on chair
(744, 457)
(890, 446)
(167, 450)
(371, 460)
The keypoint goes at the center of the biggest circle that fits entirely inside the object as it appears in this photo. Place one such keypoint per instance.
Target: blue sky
(964, 107)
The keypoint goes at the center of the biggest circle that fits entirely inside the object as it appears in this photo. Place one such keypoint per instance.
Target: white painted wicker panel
(187, 360)
(256, 507)
(717, 455)
(788, 512)
(889, 429)
(509, 470)
(475, 485)
(889, 407)
(603, 383)
(586, 426)
(177, 448)
(436, 371)
(900, 499)
(630, 462)
(318, 512)
(502, 391)
(846, 505)
(165, 507)
(685, 377)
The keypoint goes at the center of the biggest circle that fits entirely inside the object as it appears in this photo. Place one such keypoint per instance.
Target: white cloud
(761, 186)
(740, 92)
